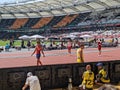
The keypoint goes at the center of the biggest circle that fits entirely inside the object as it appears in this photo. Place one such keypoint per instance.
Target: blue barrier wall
(53, 76)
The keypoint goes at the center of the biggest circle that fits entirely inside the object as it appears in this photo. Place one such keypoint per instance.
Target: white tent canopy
(37, 37)
(70, 36)
(75, 33)
(24, 37)
(86, 36)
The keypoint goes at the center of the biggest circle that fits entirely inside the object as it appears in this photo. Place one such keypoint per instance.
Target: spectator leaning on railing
(32, 82)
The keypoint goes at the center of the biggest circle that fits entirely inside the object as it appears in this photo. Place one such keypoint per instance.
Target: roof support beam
(60, 2)
(44, 6)
(6, 9)
(117, 1)
(30, 9)
(39, 14)
(102, 3)
(48, 5)
(35, 6)
(51, 13)
(18, 10)
(75, 9)
(89, 7)
(13, 15)
(27, 15)
(64, 12)
(67, 1)
(0, 16)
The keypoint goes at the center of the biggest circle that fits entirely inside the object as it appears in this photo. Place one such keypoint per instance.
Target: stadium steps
(66, 20)
(6, 23)
(55, 20)
(19, 23)
(78, 19)
(74, 17)
(75, 21)
(42, 22)
(31, 22)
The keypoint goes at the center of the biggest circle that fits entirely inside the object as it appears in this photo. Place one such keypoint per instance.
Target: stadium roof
(46, 8)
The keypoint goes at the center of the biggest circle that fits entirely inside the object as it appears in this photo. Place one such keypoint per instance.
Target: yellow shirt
(79, 59)
(104, 77)
(88, 79)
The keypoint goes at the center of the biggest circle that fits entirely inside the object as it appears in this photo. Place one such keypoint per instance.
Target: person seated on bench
(7, 47)
(1, 49)
(102, 76)
(88, 79)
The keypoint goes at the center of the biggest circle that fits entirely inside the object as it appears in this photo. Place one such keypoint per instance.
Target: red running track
(23, 58)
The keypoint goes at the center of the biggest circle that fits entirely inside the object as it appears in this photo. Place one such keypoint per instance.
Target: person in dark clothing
(28, 45)
(22, 44)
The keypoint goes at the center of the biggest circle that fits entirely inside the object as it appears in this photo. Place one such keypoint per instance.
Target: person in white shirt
(32, 82)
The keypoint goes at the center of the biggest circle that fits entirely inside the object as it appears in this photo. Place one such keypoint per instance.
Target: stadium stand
(6, 23)
(19, 23)
(42, 22)
(77, 15)
(83, 21)
(61, 21)
(31, 22)
(78, 19)
(55, 20)
(66, 20)
(101, 18)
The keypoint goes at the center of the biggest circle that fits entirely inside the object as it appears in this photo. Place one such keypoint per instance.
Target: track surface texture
(23, 58)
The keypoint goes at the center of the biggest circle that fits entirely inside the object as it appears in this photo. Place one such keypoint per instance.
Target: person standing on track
(28, 45)
(99, 46)
(38, 50)
(80, 58)
(69, 46)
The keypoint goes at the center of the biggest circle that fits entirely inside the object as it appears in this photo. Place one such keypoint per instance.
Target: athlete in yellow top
(80, 58)
(102, 76)
(88, 79)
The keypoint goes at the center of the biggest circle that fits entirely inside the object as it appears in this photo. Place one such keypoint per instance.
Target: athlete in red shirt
(99, 47)
(69, 46)
(38, 50)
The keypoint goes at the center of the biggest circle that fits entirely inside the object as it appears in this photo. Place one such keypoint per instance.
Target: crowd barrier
(115, 71)
(53, 76)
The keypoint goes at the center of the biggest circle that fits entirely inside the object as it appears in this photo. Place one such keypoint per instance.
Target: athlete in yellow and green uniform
(80, 58)
(88, 78)
(102, 76)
